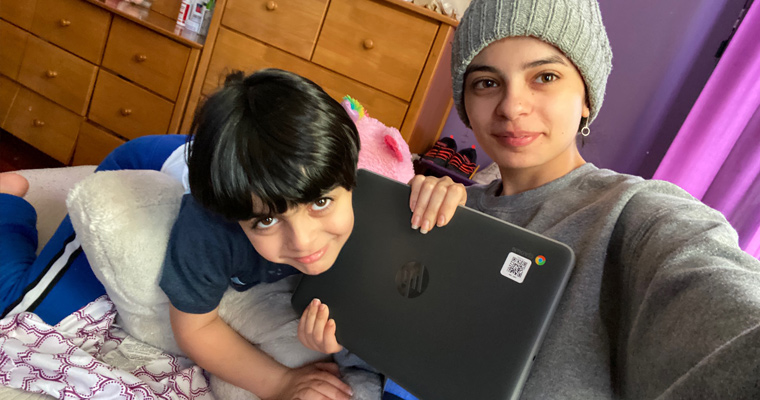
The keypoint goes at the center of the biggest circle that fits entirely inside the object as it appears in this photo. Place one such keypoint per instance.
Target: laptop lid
(457, 313)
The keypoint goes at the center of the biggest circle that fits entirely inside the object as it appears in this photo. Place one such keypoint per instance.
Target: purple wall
(663, 53)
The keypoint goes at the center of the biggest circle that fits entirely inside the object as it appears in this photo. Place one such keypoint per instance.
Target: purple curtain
(716, 154)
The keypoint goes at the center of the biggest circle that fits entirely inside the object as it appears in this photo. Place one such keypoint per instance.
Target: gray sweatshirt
(662, 302)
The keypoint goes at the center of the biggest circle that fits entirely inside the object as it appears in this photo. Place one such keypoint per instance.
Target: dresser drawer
(75, 25)
(145, 57)
(93, 145)
(234, 51)
(20, 13)
(58, 75)
(8, 91)
(383, 46)
(13, 42)
(43, 124)
(127, 109)
(291, 25)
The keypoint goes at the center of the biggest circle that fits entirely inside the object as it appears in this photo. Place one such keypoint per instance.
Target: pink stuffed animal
(383, 150)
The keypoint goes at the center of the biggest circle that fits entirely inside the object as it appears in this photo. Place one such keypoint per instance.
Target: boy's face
(309, 236)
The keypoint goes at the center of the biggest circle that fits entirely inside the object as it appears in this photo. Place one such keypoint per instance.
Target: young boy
(271, 164)
(271, 168)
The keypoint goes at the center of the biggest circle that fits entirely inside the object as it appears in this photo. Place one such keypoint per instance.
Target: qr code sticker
(516, 267)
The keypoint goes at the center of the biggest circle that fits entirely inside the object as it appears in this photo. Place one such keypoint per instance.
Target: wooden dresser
(79, 77)
(390, 55)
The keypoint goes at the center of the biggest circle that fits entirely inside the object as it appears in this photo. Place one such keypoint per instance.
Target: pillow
(123, 219)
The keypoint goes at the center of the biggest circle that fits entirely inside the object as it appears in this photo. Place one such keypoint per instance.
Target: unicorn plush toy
(383, 150)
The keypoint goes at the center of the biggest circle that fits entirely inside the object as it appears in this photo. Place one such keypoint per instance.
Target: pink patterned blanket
(88, 356)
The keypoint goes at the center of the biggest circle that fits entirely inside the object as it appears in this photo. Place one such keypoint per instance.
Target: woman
(662, 302)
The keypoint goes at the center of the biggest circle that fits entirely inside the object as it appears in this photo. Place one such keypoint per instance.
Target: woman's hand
(316, 331)
(434, 200)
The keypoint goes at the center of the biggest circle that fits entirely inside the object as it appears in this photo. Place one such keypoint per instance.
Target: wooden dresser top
(152, 20)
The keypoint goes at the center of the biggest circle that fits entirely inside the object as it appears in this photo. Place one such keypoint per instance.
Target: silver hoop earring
(585, 131)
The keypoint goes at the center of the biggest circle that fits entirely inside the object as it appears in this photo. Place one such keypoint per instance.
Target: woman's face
(525, 100)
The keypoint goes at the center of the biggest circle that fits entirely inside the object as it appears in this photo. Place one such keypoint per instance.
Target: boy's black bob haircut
(272, 134)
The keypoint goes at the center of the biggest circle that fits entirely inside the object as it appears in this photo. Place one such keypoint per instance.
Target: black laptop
(458, 313)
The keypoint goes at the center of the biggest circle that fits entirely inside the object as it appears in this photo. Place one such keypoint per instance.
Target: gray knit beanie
(573, 26)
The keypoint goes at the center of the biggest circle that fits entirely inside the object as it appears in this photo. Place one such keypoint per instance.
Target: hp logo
(412, 279)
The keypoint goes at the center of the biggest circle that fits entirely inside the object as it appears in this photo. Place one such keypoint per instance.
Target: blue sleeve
(18, 244)
(145, 152)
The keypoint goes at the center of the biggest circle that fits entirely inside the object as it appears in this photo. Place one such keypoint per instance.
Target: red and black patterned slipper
(463, 162)
(441, 151)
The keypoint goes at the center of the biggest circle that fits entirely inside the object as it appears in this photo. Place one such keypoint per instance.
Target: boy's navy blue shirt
(205, 255)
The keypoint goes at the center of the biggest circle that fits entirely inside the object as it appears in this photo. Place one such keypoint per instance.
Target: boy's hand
(318, 381)
(434, 200)
(316, 331)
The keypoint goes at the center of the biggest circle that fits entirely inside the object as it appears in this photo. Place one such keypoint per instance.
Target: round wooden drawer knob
(64, 22)
(51, 74)
(126, 112)
(38, 122)
(141, 57)
(369, 44)
(271, 5)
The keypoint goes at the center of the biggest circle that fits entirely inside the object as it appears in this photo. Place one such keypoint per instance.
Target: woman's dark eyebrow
(478, 68)
(555, 59)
